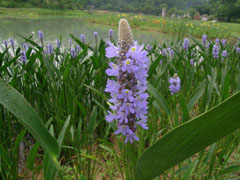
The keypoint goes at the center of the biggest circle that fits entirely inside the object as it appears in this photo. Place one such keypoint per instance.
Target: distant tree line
(224, 10)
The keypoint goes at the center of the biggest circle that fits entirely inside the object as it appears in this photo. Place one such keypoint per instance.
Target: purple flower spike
(204, 40)
(175, 84)
(82, 37)
(191, 62)
(95, 36)
(164, 52)
(110, 34)
(25, 46)
(223, 41)
(5, 42)
(224, 54)
(58, 42)
(185, 44)
(50, 49)
(73, 52)
(128, 97)
(238, 50)
(215, 51)
(217, 41)
(78, 48)
(23, 57)
(149, 47)
(40, 36)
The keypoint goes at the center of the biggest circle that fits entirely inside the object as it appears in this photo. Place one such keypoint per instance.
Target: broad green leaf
(17, 105)
(190, 138)
(159, 98)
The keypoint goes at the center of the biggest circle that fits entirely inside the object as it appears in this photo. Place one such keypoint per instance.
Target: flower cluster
(175, 84)
(128, 96)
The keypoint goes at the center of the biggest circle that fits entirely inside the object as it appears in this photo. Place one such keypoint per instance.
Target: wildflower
(82, 37)
(191, 62)
(78, 48)
(50, 49)
(238, 50)
(149, 47)
(95, 36)
(215, 51)
(186, 44)
(217, 41)
(224, 54)
(112, 51)
(223, 41)
(204, 39)
(171, 53)
(40, 36)
(5, 42)
(73, 52)
(128, 97)
(12, 42)
(175, 84)
(58, 42)
(110, 34)
(25, 46)
(23, 57)
(164, 52)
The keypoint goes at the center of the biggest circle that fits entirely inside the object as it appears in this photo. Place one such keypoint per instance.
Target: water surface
(56, 27)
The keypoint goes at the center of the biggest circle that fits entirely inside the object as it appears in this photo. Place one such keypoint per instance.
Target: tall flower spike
(125, 37)
(128, 97)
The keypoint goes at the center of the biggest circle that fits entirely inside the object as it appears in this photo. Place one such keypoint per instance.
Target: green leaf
(32, 156)
(190, 138)
(159, 98)
(17, 104)
(4, 155)
(229, 170)
(93, 120)
(196, 95)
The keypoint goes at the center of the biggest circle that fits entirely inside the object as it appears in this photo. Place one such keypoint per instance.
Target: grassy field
(148, 23)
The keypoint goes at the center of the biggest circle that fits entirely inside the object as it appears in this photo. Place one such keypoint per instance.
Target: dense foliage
(221, 9)
(65, 85)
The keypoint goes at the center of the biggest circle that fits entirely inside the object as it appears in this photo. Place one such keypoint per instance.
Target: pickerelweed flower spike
(40, 35)
(185, 44)
(204, 40)
(175, 84)
(12, 43)
(110, 34)
(23, 57)
(5, 42)
(238, 50)
(50, 49)
(128, 97)
(95, 36)
(215, 51)
(82, 37)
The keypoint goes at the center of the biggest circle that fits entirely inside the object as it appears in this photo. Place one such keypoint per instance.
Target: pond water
(56, 27)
